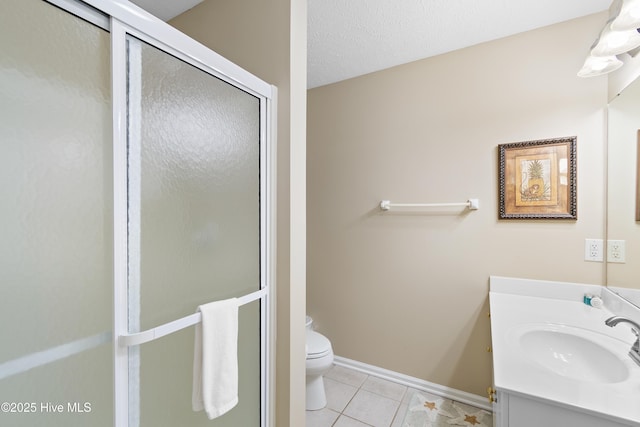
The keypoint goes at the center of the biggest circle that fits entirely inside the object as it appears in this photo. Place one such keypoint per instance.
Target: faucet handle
(635, 328)
(636, 345)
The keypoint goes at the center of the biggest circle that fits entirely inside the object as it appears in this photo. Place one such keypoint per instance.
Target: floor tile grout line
(351, 418)
(397, 413)
(371, 391)
(350, 400)
(359, 388)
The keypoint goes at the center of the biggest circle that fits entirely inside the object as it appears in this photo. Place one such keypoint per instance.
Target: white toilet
(319, 360)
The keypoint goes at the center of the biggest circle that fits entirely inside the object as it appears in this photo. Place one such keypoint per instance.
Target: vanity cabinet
(556, 363)
(511, 410)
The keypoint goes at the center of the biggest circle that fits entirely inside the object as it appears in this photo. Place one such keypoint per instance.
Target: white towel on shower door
(215, 358)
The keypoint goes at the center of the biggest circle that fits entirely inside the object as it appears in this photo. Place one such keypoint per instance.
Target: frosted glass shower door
(133, 180)
(56, 296)
(194, 228)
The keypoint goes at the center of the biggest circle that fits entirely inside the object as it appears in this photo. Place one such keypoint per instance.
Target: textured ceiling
(349, 38)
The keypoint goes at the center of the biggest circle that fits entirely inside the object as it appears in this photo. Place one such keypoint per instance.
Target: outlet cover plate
(615, 251)
(593, 250)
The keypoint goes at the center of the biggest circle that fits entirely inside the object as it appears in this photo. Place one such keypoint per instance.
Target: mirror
(622, 192)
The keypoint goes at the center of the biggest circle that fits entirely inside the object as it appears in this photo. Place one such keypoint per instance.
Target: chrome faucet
(634, 353)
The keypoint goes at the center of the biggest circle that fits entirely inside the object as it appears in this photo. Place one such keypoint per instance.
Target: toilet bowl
(319, 360)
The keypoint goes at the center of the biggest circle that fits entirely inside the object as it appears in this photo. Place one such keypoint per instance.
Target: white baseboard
(417, 383)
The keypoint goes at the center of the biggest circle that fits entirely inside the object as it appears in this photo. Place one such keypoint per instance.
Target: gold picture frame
(538, 179)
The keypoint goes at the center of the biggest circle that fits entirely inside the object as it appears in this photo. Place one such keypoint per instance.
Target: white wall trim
(417, 383)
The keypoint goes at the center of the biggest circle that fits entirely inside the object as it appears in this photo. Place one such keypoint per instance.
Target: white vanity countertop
(513, 308)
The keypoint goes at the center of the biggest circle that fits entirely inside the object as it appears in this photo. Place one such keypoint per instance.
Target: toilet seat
(317, 345)
(319, 360)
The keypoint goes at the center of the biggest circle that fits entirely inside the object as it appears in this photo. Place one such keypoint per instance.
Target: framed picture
(538, 179)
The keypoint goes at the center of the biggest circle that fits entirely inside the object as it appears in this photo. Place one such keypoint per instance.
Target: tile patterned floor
(355, 399)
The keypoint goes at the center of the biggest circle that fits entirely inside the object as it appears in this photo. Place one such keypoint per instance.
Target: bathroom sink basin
(574, 353)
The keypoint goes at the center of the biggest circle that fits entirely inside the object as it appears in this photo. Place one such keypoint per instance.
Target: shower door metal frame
(124, 18)
(175, 43)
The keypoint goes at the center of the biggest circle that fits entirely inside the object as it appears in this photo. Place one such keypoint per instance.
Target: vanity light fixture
(629, 16)
(614, 40)
(599, 65)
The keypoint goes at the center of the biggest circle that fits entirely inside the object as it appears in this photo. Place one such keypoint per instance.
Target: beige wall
(268, 39)
(410, 292)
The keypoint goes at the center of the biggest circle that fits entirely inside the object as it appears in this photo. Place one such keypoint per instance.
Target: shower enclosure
(135, 180)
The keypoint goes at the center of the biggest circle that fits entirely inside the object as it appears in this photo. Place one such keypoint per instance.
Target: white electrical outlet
(593, 250)
(615, 251)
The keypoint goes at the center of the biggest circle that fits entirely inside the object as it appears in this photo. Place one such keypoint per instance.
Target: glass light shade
(615, 42)
(599, 65)
(629, 16)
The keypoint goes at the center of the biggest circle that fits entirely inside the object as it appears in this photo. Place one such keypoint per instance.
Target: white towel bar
(472, 204)
(176, 325)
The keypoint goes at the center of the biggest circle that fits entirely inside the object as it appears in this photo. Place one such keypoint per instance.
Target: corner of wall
(621, 78)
